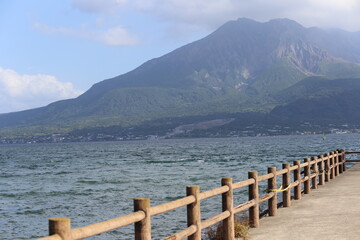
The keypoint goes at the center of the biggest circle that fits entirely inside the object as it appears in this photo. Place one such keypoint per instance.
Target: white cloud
(116, 36)
(97, 6)
(53, 30)
(185, 18)
(113, 36)
(212, 13)
(195, 12)
(19, 92)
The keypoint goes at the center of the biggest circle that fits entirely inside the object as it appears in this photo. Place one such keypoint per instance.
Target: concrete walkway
(330, 212)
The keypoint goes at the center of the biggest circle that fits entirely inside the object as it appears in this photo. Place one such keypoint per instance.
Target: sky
(54, 50)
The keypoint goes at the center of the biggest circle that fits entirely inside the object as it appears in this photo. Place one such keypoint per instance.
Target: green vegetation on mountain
(319, 99)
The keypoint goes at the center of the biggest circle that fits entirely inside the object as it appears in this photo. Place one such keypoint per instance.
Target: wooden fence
(306, 176)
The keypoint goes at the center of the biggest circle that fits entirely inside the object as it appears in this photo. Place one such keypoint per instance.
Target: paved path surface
(330, 212)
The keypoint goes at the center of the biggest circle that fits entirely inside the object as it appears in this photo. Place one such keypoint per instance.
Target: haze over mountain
(244, 66)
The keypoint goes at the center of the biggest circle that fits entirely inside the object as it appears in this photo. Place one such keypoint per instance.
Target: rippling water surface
(92, 182)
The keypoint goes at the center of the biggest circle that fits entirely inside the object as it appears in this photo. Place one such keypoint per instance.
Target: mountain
(244, 66)
(321, 100)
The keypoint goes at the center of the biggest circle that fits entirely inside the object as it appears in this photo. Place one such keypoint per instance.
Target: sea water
(93, 182)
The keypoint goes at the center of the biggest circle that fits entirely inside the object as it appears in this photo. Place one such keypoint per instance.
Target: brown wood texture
(228, 205)
(321, 170)
(108, 225)
(314, 170)
(193, 212)
(307, 174)
(286, 182)
(297, 177)
(143, 227)
(272, 203)
(61, 227)
(254, 195)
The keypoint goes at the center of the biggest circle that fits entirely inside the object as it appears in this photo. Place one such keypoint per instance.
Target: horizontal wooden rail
(215, 219)
(213, 192)
(305, 164)
(52, 237)
(313, 175)
(105, 226)
(171, 205)
(265, 177)
(294, 184)
(313, 162)
(293, 168)
(281, 172)
(266, 197)
(312, 172)
(243, 183)
(304, 179)
(183, 234)
(244, 206)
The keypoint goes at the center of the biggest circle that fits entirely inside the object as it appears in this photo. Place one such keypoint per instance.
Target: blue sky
(52, 50)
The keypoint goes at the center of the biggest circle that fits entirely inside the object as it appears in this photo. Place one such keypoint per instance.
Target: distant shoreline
(64, 139)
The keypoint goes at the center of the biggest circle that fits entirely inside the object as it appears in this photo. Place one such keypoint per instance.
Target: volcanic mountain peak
(239, 67)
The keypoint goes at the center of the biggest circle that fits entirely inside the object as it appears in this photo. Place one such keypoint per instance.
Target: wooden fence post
(314, 169)
(332, 166)
(254, 194)
(193, 212)
(286, 183)
(340, 161)
(297, 177)
(337, 168)
(60, 226)
(272, 202)
(143, 227)
(228, 205)
(343, 153)
(307, 174)
(327, 168)
(322, 171)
